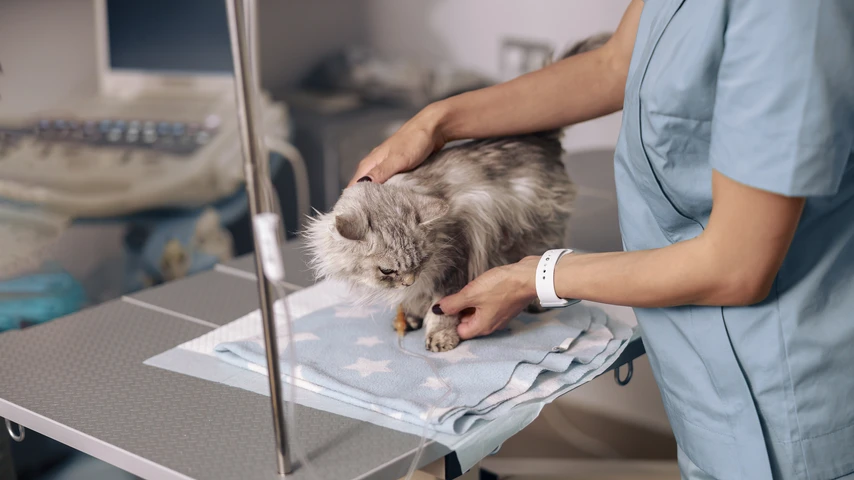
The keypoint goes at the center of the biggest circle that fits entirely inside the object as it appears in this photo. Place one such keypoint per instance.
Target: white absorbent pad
(350, 363)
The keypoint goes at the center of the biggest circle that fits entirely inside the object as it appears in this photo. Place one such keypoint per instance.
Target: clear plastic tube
(448, 390)
(301, 455)
(422, 442)
(282, 293)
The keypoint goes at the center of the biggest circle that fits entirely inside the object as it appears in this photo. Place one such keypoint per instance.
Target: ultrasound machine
(155, 145)
(159, 131)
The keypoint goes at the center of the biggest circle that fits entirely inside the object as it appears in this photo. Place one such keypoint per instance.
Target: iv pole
(256, 168)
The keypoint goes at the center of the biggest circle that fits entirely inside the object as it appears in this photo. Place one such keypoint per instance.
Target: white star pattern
(367, 367)
(462, 352)
(368, 341)
(433, 383)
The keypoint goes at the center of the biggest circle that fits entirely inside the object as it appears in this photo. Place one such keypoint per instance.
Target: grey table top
(81, 380)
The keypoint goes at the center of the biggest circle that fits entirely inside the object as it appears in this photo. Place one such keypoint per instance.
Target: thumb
(377, 174)
(361, 175)
(454, 304)
(381, 171)
(470, 327)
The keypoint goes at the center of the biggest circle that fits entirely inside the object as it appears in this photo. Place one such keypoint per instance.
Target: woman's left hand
(490, 301)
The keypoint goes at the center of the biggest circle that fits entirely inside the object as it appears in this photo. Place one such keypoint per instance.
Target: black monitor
(169, 36)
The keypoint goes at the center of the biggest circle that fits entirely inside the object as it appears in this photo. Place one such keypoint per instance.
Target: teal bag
(39, 297)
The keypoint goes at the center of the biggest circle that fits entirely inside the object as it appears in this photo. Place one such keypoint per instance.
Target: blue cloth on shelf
(39, 297)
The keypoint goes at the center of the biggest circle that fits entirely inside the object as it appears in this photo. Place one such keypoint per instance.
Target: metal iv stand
(256, 168)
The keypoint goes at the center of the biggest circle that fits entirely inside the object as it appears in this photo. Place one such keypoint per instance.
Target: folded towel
(352, 355)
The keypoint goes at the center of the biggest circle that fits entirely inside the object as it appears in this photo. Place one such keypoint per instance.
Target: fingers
(472, 327)
(454, 304)
(362, 172)
(381, 172)
(377, 167)
(473, 321)
(377, 172)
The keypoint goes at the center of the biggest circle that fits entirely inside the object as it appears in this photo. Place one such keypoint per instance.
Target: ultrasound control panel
(108, 157)
(96, 166)
(174, 138)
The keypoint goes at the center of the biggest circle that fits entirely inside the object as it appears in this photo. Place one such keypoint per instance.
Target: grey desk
(80, 380)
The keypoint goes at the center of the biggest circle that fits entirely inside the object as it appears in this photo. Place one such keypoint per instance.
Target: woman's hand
(576, 89)
(490, 301)
(405, 150)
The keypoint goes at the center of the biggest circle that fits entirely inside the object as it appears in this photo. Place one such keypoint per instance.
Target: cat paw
(413, 323)
(410, 323)
(442, 340)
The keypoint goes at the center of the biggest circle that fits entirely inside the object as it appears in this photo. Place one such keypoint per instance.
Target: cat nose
(408, 279)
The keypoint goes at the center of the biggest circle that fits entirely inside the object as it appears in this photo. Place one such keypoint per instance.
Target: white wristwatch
(546, 280)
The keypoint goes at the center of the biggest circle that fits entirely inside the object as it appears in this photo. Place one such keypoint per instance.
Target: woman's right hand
(404, 150)
(573, 90)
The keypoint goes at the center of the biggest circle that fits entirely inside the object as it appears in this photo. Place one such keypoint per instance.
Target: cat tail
(585, 45)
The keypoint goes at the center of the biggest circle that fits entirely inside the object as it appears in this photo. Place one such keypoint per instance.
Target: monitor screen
(169, 36)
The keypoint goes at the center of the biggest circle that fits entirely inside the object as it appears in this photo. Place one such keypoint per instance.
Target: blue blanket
(353, 355)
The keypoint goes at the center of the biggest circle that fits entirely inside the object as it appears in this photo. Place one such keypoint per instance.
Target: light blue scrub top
(763, 92)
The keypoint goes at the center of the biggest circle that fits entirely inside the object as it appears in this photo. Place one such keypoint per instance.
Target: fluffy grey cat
(425, 234)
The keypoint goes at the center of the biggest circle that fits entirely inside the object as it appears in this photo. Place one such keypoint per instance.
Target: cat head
(378, 237)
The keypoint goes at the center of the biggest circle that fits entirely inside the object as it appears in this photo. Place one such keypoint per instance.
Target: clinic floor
(540, 452)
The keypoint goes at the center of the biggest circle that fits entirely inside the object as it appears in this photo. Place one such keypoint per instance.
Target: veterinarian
(735, 180)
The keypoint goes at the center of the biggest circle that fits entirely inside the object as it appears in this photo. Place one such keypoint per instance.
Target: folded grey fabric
(353, 355)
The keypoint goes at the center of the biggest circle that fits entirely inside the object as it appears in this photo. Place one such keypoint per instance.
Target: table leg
(7, 468)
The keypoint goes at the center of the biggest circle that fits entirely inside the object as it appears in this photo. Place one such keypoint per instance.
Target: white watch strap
(546, 279)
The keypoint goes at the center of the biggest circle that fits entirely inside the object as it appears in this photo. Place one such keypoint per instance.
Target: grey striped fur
(467, 209)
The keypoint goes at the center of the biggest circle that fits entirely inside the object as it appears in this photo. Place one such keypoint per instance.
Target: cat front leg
(413, 311)
(535, 307)
(441, 331)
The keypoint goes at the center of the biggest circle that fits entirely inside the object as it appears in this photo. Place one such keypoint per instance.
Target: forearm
(579, 88)
(733, 262)
(685, 273)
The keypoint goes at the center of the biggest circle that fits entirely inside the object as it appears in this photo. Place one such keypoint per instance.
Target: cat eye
(385, 271)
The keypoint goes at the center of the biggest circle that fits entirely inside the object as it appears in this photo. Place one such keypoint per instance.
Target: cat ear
(431, 209)
(351, 226)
